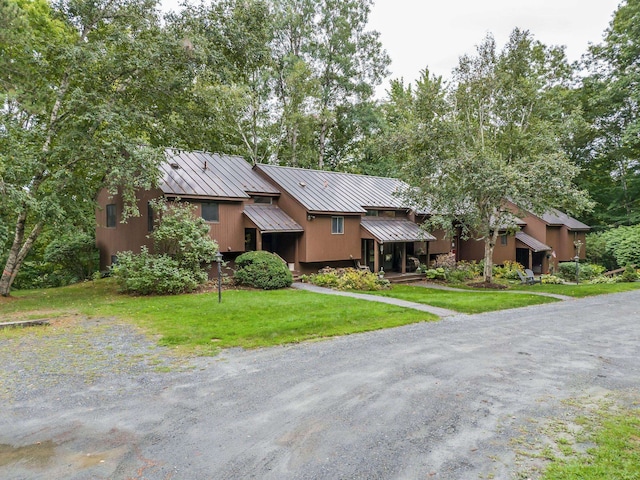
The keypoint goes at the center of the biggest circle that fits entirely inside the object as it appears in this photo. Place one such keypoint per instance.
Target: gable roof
(202, 174)
(557, 218)
(322, 191)
(270, 219)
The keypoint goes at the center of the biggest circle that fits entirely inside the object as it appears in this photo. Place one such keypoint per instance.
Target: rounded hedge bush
(262, 270)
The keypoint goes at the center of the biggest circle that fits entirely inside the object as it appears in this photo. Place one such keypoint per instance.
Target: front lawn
(245, 318)
(581, 290)
(476, 301)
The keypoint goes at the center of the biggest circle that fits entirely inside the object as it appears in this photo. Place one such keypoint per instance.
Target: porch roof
(270, 219)
(532, 243)
(394, 230)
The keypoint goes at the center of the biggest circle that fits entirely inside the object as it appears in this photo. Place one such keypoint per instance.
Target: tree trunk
(19, 250)
(489, 244)
(322, 141)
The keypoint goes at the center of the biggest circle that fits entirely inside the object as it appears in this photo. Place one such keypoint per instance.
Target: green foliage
(601, 279)
(262, 270)
(436, 273)
(587, 271)
(182, 235)
(509, 270)
(550, 280)
(348, 279)
(146, 274)
(623, 243)
(597, 251)
(183, 246)
(69, 258)
(629, 275)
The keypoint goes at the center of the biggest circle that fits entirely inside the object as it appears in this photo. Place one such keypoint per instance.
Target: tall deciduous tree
(503, 128)
(87, 91)
(609, 149)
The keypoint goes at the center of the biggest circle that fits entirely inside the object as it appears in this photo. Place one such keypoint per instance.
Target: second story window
(337, 225)
(210, 212)
(111, 215)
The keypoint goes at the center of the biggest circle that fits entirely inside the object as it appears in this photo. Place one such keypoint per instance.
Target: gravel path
(456, 399)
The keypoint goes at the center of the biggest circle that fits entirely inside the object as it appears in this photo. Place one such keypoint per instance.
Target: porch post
(258, 239)
(376, 256)
(530, 260)
(403, 267)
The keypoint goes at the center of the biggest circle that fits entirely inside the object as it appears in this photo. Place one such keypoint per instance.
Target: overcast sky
(435, 33)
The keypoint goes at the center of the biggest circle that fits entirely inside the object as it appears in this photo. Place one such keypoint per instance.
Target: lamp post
(578, 245)
(219, 262)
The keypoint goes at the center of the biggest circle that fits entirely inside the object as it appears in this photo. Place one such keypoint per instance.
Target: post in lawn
(219, 262)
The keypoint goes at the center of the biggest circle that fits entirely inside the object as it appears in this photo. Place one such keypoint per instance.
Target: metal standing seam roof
(556, 217)
(203, 174)
(271, 219)
(394, 230)
(532, 243)
(322, 191)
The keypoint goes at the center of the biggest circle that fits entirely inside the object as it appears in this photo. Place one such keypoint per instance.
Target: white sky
(435, 33)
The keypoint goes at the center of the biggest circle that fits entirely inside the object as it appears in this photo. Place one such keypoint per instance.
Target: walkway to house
(441, 312)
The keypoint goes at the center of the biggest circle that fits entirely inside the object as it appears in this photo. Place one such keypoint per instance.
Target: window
(111, 215)
(149, 217)
(504, 240)
(337, 225)
(210, 212)
(371, 213)
(267, 200)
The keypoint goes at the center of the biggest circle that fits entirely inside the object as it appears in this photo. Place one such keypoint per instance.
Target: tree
(87, 93)
(503, 127)
(609, 146)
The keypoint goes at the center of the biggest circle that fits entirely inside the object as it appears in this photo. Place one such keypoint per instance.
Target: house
(314, 218)
(539, 242)
(310, 218)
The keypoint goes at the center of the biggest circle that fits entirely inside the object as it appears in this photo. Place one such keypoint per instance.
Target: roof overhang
(531, 243)
(394, 230)
(270, 219)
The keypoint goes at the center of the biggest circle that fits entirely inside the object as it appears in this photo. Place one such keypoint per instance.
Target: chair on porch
(358, 266)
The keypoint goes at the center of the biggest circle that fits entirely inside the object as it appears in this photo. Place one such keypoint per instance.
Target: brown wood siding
(442, 243)
(321, 245)
(471, 249)
(229, 231)
(130, 236)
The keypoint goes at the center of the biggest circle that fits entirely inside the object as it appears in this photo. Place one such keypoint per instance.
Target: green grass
(616, 454)
(477, 301)
(244, 318)
(581, 290)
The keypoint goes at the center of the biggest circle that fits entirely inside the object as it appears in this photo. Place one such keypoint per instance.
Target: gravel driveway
(93, 399)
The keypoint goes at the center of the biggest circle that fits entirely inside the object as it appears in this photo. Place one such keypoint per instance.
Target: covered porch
(270, 229)
(532, 253)
(387, 243)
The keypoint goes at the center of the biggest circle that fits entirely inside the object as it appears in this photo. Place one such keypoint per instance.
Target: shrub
(182, 245)
(262, 270)
(436, 273)
(602, 279)
(508, 270)
(587, 271)
(629, 275)
(550, 280)
(145, 274)
(446, 260)
(348, 279)
(624, 244)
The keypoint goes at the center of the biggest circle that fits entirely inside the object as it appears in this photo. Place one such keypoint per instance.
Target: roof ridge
(329, 171)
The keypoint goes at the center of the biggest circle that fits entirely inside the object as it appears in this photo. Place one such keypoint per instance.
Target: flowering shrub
(347, 279)
(550, 279)
(508, 270)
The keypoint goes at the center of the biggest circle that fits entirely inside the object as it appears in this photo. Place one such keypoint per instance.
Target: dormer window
(263, 200)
